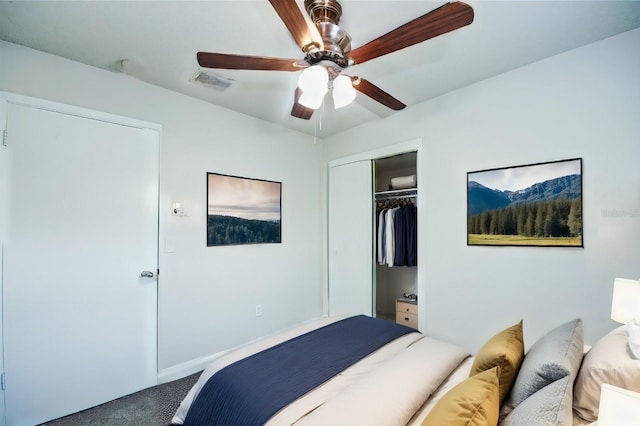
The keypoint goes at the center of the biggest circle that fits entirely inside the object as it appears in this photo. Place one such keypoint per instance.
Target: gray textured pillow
(551, 405)
(554, 356)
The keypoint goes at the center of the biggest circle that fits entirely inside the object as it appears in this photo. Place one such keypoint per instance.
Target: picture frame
(243, 210)
(529, 205)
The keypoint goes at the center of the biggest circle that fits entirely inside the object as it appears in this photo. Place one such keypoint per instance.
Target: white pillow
(634, 337)
(609, 361)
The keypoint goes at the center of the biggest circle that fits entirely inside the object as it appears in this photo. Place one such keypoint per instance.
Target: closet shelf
(396, 193)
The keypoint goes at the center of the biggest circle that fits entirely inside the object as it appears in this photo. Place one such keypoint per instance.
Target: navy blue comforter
(252, 390)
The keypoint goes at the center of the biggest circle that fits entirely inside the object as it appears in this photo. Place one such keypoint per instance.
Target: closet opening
(395, 238)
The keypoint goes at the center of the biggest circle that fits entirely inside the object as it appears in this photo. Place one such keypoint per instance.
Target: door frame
(7, 98)
(413, 145)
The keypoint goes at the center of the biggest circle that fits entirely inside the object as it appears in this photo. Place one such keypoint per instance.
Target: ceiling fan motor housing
(337, 43)
(323, 10)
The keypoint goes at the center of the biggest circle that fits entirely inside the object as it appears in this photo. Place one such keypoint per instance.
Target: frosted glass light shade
(618, 406)
(343, 91)
(314, 83)
(312, 98)
(312, 78)
(625, 305)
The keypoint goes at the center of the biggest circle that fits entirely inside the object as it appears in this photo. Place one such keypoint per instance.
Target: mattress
(391, 386)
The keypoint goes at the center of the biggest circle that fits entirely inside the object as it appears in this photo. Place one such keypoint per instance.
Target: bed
(406, 378)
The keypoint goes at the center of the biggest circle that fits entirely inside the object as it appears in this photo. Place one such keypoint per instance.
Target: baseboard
(198, 364)
(186, 368)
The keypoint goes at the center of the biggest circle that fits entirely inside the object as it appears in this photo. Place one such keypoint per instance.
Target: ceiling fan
(327, 49)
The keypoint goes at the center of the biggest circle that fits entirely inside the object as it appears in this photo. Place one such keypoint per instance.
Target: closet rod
(396, 193)
(394, 197)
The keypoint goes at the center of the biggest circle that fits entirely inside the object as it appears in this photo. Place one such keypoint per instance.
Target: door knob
(147, 274)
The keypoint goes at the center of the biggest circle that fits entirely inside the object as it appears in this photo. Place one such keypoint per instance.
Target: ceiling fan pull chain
(315, 129)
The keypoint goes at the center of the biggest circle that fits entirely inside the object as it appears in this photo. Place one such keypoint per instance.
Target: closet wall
(391, 283)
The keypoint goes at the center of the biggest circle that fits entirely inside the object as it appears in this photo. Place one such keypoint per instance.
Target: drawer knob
(406, 319)
(407, 309)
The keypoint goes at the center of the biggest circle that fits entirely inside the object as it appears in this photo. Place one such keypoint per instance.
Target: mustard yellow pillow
(505, 350)
(473, 402)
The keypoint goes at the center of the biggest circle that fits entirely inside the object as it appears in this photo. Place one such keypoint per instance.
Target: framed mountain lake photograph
(242, 210)
(530, 205)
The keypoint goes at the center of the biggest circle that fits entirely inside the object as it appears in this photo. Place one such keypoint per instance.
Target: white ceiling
(160, 40)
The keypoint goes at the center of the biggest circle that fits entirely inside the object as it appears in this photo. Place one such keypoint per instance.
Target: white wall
(583, 103)
(4, 197)
(207, 295)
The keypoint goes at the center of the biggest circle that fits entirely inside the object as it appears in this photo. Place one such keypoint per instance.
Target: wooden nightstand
(407, 312)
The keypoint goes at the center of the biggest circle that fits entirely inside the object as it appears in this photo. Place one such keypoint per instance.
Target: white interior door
(80, 323)
(351, 239)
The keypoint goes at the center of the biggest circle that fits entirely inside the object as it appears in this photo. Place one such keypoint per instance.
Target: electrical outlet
(258, 310)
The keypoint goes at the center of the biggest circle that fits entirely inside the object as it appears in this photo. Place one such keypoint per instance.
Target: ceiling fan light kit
(315, 81)
(313, 77)
(314, 84)
(343, 91)
(327, 50)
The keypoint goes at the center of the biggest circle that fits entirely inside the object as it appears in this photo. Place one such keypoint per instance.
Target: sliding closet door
(80, 322)
(351, 239)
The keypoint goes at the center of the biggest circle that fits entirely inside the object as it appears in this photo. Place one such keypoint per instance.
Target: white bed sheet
(386, 388)
(458, 375)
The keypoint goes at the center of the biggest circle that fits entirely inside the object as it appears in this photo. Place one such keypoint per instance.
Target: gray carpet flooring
(154, 406)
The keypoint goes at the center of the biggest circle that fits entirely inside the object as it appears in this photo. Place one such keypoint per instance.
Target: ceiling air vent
(210, 80)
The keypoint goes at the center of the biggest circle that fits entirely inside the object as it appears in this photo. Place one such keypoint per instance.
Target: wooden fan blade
(442, 20)
(304, 32)
(376, 93)
(243, 62)
(299, 110)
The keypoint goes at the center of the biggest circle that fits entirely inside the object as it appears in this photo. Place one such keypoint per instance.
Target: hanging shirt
(399, 258)
(381, 234)
(405, 236)
(411, 235)
(390, 236)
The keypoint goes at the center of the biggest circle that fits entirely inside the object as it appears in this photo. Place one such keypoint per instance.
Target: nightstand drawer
(410, 320)
(408, 308)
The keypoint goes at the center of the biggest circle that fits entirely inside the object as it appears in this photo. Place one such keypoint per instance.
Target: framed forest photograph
(530, 205)
(242, 210)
